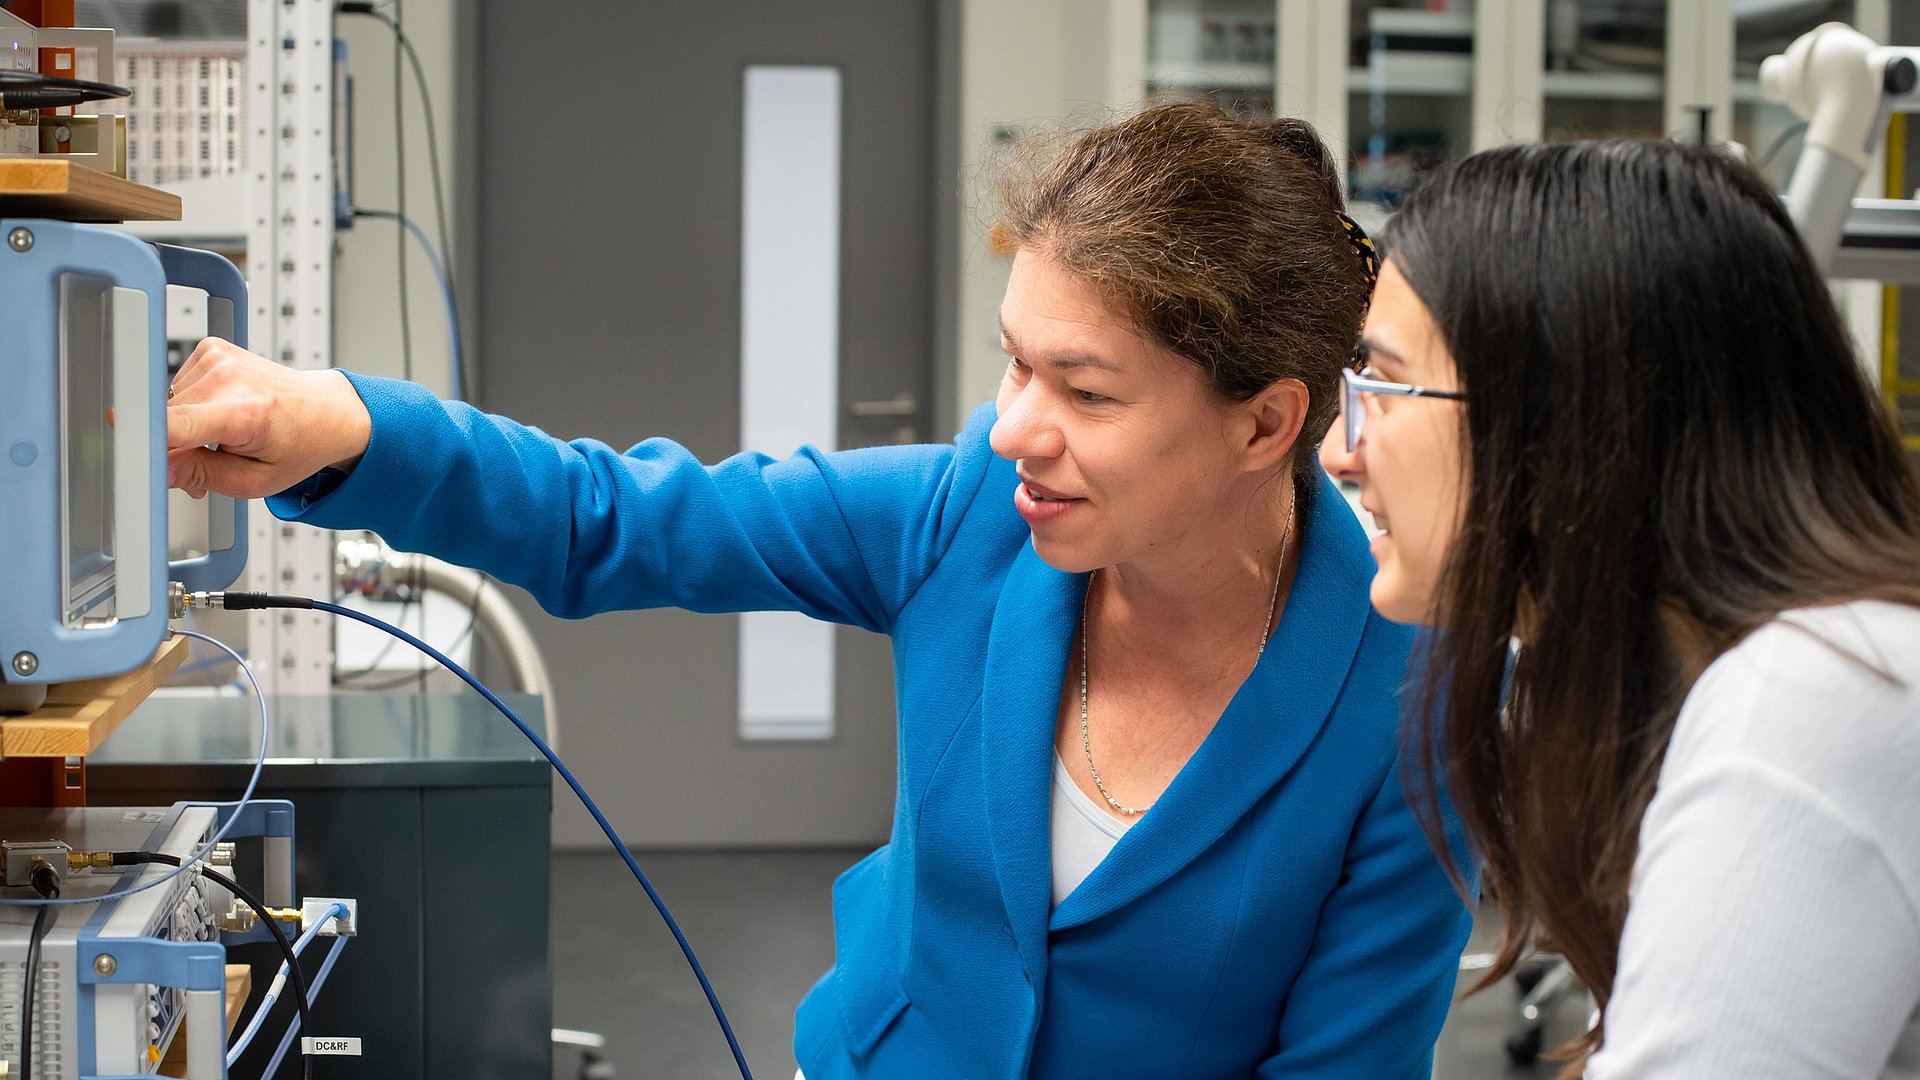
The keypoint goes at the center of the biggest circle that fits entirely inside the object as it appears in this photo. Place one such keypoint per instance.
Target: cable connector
(240, 918)
(335, 917)
(32, 862)
(46, 879)
(246, 601)
(237, 919)
(354, 7)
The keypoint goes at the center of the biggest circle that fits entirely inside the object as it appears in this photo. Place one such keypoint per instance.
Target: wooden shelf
(38, 187)
(78, 716)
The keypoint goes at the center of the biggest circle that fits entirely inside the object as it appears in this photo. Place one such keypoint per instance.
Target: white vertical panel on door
(790, 357)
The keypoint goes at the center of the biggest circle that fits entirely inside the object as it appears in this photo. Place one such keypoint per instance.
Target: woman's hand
(273, 426)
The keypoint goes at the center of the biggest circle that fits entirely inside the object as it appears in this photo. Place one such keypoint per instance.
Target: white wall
(1028, 67)
(366, 309)
(366, 295)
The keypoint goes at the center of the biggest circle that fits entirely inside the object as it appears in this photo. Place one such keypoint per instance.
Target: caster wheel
(1523, 1049)
(1528, 976)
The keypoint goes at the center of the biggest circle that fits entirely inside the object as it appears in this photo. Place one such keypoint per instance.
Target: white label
(335, 1047)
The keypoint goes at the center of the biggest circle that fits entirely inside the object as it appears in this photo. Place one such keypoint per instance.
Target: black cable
(253, 601)
(373, 666)
(395, 683)
(380, 657)
(433, 160)
(473, 620)
(42, 922)
(32, 90)
(400, 204)
(349, 680)
(245, 896)
(343, 678)
(259, 601)
(47, 884)
(1779, 143)
(399, 171)
(426, 105)
(404, 45)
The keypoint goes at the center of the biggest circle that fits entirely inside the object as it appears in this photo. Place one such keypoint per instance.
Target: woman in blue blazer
(1149, 821)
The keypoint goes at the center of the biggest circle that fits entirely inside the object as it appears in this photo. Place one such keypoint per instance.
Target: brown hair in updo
(1219, 238)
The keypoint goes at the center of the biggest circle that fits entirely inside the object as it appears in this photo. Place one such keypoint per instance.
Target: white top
(1772, 928)
(1083, 832)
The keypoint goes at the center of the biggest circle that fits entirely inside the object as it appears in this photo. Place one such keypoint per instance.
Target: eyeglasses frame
(1353, 407)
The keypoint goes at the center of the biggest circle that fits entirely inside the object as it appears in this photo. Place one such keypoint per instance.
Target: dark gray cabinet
(433, 813)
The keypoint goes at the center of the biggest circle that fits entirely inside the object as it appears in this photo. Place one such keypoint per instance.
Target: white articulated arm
(1843, 85)
(369, 567)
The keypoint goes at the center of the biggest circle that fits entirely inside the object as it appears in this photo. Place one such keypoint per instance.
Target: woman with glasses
(1608, 409)
(1148, 818)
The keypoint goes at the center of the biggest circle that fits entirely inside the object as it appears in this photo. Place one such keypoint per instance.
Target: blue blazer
(1277, 914)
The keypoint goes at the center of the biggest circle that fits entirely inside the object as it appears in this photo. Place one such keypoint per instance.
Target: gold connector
(240, 918)
(89, 860)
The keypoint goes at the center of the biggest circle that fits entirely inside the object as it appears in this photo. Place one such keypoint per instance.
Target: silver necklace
(1086, 745)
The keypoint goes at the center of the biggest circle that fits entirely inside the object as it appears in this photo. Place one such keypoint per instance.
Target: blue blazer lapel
(1267, 728)
(1027, 651)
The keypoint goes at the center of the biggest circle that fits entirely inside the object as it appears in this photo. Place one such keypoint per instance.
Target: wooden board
(39, 187)
(78, 716)
(239, 987)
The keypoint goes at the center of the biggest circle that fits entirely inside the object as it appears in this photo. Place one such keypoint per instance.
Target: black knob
(1901, 75)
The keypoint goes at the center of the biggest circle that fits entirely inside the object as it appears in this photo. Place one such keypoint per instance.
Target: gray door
(608, 228)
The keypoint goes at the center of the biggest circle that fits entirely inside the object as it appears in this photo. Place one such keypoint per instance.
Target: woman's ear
(1269, 425)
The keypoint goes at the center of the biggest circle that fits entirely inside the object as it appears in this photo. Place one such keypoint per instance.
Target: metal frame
(1699, 75)
(1310, 67)
(290, 274)
(1863, 303)
(1509, 87)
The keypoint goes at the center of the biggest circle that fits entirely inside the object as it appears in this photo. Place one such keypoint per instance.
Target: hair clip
(1363, 246)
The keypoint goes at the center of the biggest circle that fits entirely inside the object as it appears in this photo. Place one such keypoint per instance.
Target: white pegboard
(289, 65)
(187, 118)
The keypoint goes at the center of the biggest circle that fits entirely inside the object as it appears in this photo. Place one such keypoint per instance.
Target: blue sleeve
(1374, 990)
(845, 537)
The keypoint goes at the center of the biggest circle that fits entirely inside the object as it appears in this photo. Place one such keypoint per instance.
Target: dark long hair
(1669, 442)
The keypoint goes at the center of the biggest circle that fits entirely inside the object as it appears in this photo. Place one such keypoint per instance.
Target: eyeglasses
(1353, 406)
